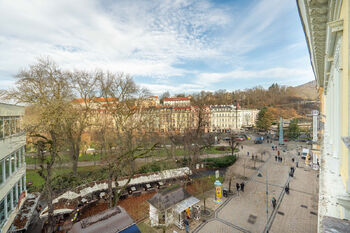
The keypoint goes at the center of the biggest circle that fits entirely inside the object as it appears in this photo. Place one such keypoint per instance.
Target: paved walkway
(246, 212)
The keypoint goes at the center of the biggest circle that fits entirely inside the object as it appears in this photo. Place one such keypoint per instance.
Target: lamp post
(236, 104)
(267, 195)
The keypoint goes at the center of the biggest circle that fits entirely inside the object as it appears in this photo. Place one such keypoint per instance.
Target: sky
(180, 46)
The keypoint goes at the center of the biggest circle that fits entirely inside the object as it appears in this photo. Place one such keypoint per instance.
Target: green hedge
(157, 166)
(220, 162)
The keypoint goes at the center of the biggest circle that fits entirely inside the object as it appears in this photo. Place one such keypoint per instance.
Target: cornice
(336, 26)
(317, 13)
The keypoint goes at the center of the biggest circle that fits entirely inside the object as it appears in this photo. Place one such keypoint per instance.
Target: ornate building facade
(326, 26)
(225, 118)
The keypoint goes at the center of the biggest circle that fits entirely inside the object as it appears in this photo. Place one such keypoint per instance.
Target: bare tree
(80, 112)
(203, 185)
(233, 144)
(196, 137)
(123, 130)
(45, 88)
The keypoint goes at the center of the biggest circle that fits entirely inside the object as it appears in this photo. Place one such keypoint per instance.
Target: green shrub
(222, 148)
(157, 166)
(220, 162)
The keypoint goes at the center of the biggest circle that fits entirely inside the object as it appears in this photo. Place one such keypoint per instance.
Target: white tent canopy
(187, 203)
(56, 212)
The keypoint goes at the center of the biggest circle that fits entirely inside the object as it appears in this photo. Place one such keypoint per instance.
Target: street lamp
(267, 195)
(236, 104)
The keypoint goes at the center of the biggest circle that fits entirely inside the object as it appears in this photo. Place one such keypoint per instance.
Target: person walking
(237, 188)
(242, 186)
(287, 188)
(273, 202)
(187, 225)
(276, 158)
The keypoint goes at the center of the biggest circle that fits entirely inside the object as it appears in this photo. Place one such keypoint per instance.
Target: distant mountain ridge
(306, 91)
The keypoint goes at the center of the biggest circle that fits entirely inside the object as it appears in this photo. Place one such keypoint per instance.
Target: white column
(16, 186)
(25, 182)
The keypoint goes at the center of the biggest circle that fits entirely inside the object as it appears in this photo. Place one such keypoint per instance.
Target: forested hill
(282, 100)
(306, 91)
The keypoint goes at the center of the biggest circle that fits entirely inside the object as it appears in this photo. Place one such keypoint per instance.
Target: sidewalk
(246, 212)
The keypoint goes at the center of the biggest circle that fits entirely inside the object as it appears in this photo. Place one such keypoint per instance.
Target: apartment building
(249, 117)
(326, 24)
(225, 118)
(177, 101)
(12, 164)
(177, 119)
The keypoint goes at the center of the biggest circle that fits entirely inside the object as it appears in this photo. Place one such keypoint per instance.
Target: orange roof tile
(176, 99)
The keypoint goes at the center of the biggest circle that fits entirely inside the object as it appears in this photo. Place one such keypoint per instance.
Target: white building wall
(332, 189)
(12, 153)
(153, 215)
(224, 118)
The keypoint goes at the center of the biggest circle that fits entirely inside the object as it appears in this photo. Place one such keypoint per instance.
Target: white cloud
(274, 73)
(158, 89)
(136, 37)
(144, 38)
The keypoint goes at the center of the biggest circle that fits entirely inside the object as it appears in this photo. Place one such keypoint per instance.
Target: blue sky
(180, 46)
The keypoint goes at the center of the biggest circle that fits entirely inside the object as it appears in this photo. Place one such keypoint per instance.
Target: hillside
(306, 91)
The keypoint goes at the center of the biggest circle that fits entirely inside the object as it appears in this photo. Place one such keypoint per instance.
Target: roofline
(307, 40)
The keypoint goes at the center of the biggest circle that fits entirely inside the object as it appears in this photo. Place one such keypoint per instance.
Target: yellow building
(326, 27)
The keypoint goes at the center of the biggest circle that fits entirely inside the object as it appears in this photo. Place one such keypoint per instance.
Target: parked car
(259, 140)
(247, 137)
(239, 139)
(302, 140)
(285, 139)
(309, 142)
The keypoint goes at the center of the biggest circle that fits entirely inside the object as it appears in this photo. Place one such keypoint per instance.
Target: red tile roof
(176, 99)
(96, 100)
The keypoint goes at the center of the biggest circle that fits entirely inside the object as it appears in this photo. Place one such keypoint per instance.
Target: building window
(2, 171)
(18, 125)
(24, 182)
(7, 167)
(18, 157)
(12, 125)
(1, 128)
(2, 213)
(23, 154)
(7, 127)
(13, 162)
(14, 196)
(9, 209)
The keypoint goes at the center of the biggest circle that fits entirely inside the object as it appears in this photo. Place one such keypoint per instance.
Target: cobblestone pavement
(246, 212)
